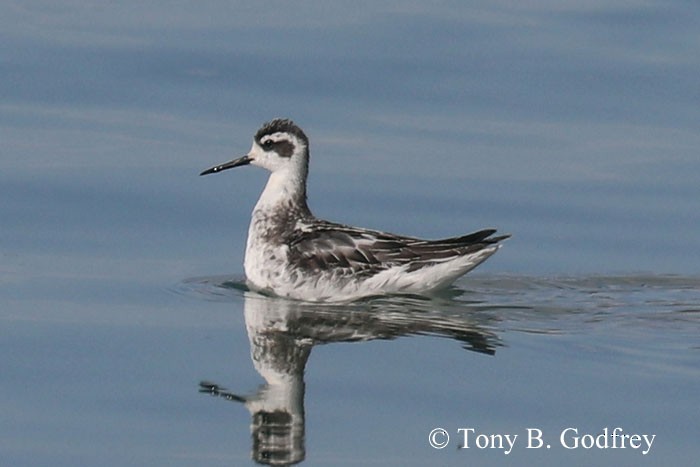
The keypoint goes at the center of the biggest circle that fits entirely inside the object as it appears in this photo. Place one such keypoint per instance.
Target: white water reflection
(282, 334)
(617, 309)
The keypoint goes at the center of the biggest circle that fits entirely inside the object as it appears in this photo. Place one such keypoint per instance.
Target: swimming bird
(293, 254)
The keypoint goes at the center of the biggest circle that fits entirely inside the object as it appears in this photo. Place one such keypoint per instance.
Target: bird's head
(277, 145)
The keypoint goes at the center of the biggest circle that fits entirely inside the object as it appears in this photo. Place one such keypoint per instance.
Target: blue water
(129, 338)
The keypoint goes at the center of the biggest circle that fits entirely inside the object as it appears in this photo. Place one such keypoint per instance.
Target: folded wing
(353, 251)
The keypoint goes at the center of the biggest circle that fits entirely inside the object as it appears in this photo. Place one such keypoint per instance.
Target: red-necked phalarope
(293, 254)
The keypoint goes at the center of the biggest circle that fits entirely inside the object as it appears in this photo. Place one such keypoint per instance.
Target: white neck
(284, 185)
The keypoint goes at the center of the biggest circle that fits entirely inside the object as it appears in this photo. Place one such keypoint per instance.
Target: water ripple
(532, 304)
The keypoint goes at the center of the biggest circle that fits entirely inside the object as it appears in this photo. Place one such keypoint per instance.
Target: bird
(291, 253)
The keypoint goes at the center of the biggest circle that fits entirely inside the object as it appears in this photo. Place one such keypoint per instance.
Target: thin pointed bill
(245, 160)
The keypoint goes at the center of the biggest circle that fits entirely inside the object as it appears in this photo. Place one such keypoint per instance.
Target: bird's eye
(268, 144)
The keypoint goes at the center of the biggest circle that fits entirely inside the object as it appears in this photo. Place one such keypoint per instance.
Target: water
(125, 327)
(470, 343)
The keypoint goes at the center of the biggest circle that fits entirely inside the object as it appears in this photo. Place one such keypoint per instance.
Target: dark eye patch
(283, 148)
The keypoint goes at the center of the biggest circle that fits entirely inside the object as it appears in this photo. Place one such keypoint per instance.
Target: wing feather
(349, 250)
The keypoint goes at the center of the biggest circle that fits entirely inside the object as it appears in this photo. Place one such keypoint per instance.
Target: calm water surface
(128, 336)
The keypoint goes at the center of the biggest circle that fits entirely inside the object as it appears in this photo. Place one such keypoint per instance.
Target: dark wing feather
(430, 252)
(351, 250)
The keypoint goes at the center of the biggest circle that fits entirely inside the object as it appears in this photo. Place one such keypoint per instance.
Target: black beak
(245, 160)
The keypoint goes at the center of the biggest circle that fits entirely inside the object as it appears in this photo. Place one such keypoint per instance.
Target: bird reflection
(282, 334)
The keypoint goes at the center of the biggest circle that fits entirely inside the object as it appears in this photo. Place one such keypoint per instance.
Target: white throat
(283, 186)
